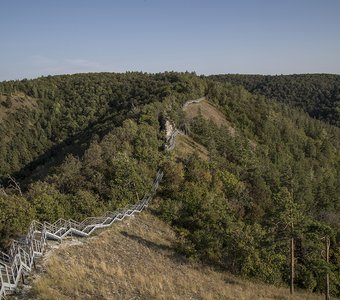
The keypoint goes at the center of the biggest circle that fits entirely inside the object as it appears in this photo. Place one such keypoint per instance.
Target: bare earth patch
(135, 259)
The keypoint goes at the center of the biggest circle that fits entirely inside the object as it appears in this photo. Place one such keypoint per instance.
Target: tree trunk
(327, 244)
(292, 267)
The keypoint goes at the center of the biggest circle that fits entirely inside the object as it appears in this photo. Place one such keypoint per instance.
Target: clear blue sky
(208, 37)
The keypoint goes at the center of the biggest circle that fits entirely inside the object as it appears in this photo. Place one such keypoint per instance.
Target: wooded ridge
(88, 143)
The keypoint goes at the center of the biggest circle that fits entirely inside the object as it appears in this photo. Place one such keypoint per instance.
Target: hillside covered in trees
(317, 94)
(82, 144)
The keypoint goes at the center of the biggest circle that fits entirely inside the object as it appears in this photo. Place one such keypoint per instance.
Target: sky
(46, 37)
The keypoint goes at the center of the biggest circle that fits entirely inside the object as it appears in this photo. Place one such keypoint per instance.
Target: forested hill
(317, 94)
(94, 143)
(55, 113)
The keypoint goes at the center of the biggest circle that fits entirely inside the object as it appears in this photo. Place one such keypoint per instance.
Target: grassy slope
(135, 259)
(186, 146)
(18, 101)
(208, 112)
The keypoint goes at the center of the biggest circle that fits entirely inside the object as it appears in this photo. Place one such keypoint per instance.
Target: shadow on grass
(147, 243)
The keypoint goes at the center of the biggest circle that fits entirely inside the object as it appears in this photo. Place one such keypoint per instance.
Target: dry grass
(210, 113)
(185, 146)
(19, 100)
(135, 260)
(213, 114)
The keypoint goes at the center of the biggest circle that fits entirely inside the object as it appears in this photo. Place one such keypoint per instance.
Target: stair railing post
(1, 280)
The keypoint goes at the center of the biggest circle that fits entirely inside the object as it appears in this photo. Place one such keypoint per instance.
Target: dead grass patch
(210, 113)
(18, 100)
(135, 260)
(186, 146)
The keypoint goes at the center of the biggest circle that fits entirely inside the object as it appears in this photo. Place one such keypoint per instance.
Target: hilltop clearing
(209, 113)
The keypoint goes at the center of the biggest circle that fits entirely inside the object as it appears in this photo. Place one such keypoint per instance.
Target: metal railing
(193, 101)
(21, 254)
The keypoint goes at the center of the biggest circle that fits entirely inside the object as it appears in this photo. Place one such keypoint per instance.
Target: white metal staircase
(19, 260)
